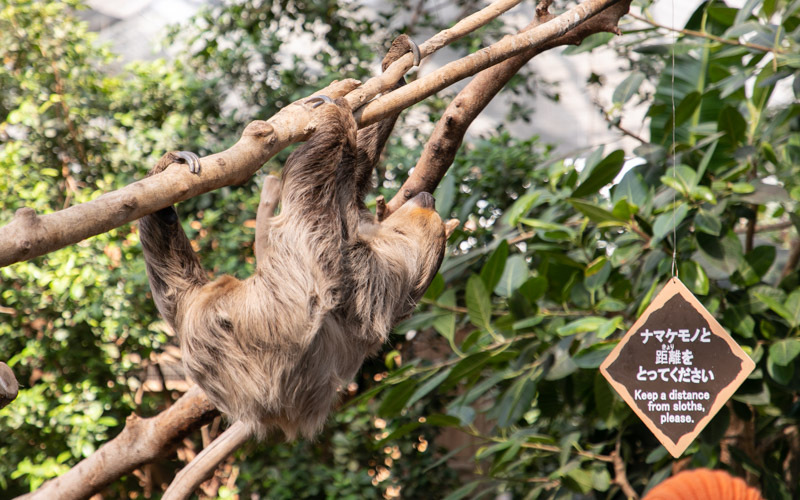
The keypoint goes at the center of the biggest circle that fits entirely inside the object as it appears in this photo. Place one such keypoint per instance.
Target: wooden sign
(676, 367)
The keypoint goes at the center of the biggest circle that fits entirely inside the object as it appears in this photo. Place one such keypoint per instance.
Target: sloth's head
(422, 234)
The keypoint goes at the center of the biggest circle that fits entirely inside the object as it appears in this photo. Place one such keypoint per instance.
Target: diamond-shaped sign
(676, 367)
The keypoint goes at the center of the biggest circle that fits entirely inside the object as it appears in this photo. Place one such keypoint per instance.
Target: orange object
(703, 484)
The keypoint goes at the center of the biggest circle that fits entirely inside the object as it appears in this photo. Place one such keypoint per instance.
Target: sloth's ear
(450, 226)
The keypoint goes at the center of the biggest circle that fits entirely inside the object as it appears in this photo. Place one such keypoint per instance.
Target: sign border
(674, 287)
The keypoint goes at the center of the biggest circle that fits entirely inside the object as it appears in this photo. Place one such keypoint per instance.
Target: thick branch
(445, 37)
(140, 442)
(28, 235)
(441, 148)
(538, 37)
(203, 465)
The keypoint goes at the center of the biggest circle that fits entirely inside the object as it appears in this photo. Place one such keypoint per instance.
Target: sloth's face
(423, 234)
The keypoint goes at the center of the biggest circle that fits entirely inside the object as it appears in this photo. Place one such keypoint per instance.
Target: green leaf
(514, 275)
(631, 188)
(546, 226)
(445, 196)
(395, 399)
(776, 306)
(468, 365)
(742, 188)
(597, 275)
(594, 212)
(601, 479)
(781, 374)
(628, 87)
(534, 288)
(784, 351)
(493, 269)
(593, 356)
(582, 325)
(603, 396)
(428, 386)
(441, 420)
(732, 123)
(703, 193)
(623, 210)
(707, 223)
(693, 275)
(435, 288)
(400, 432)
(419, 321)
(756, 264)
(581, 480)
(792, 306)
(464, 491)
(667, 221)
(723, 253)
(516, 401)
(685, 109)
(609, 327)
(602, 174)
(479, 304)
(446, 325)
(521, 207)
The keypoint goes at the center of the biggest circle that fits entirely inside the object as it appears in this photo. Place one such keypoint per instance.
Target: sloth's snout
(424, 200)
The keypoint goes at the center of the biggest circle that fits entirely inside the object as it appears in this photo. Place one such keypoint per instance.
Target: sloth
(331, 281)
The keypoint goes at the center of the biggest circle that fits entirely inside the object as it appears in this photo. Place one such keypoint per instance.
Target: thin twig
(709, 36)
(539, 446)
(620, 474)
(794, 258)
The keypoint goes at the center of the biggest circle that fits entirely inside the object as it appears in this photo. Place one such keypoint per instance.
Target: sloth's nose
(424, 200)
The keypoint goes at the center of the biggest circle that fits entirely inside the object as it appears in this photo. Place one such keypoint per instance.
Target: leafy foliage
(552, 264)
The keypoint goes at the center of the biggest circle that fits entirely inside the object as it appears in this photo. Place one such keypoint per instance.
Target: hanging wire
(674, 153)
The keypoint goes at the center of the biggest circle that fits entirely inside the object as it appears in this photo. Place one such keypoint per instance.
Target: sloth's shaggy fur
(330, 282)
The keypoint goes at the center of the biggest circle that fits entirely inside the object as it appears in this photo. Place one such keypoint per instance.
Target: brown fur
(330, 282)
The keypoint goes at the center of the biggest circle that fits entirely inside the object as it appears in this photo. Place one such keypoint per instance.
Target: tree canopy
(493, 385)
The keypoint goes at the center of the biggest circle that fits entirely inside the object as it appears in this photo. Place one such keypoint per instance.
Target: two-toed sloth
(330, 281)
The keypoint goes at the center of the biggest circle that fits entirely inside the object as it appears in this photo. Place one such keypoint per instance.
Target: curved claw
(318, 100)
(190, 159)
(415, 51)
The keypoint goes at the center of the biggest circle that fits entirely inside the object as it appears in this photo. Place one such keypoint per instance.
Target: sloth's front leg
(168, 214)
(168, 159)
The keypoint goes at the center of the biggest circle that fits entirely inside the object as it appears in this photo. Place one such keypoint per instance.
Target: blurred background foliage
(492, 387)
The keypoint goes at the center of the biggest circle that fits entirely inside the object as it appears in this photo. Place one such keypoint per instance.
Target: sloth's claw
(318, 100)
(190, 159)
(415, 51)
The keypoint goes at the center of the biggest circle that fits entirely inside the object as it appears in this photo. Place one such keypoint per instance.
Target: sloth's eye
(399, 231)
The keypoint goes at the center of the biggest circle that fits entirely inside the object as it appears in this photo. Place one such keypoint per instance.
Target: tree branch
(400, 67)
(620, 475)
(441, 148)
(29, 235)
(140, 442)
(538, 37)
(203, 465)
